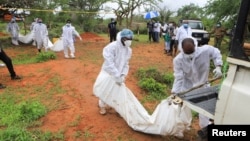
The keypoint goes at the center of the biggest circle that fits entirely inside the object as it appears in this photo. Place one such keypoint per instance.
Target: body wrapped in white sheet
(166, 119)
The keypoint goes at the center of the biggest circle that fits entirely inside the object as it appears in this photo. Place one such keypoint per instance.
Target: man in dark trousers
(8, 62)
(112, 30)
(150, 26)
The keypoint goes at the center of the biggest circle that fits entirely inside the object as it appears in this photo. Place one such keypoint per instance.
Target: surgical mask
(185, 25)
(127, 43)
(218, 25)
(68, 24)
(189, 56)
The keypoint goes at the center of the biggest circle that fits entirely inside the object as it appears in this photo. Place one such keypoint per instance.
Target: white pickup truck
(228, 102)
(198, 30)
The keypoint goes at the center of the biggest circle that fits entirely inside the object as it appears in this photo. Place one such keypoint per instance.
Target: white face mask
(68, 24)
(189, 56)
(127, 43)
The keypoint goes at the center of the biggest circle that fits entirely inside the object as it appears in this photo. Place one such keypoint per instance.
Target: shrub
(166, 78)
(45, 56)
(154, 88)
(30, 111)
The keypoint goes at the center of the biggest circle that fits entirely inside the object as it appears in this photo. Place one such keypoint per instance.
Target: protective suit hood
(124, 33)
(118, 38)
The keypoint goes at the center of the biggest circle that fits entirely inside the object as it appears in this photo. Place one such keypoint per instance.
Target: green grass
(28, 58)
(20, 111)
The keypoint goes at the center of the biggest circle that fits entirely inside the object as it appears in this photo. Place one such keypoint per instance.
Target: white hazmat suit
(190, 72)
(68, 33)
(32, 30)
(181, 34)
(13, 29)
(41, 35)
(116, 60)
(167, 119)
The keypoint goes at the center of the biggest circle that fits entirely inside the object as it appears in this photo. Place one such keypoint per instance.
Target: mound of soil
(91, 37)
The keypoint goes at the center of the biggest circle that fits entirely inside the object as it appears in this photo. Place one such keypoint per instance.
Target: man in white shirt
(157, 31)
(183, 31)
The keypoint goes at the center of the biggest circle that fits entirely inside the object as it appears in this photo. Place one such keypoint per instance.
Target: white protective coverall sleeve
(75, 33)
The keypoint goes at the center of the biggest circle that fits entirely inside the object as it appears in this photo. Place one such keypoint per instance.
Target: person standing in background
(157, 31)
(219, 33)
(13, 29)
(150, 30)
(173, 31)
(164, 28)
(112, 30)
(167, 39)
(183, 31)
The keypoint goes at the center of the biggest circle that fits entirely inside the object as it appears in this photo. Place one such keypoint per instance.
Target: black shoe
(2, 86)
(203, 133)
(16, 77)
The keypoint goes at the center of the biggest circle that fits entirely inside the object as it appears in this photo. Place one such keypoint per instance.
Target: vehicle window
(195, 25)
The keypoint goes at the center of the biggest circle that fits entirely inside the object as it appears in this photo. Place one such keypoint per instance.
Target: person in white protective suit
(116, 60)
(41, 35)
(191, 68)
(183, 31)
(68, 33)
(33, 24)
(32, 30)
(13, 29)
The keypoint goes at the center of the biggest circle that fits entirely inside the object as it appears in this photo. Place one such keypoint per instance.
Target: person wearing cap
(219, 33)
(41, 35)
(112, 30)
(115, 66)
(13, 29)
(68, 34)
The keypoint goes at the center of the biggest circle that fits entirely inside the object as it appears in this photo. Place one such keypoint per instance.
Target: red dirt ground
(79, 104)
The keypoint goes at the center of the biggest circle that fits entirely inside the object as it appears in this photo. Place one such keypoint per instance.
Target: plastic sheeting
(167, 119)
(28, 38)
(58, 45)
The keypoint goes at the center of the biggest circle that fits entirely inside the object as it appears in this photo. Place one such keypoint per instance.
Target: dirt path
(78, 117)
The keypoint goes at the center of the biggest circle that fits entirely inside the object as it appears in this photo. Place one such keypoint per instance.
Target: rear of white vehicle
(198, 31)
